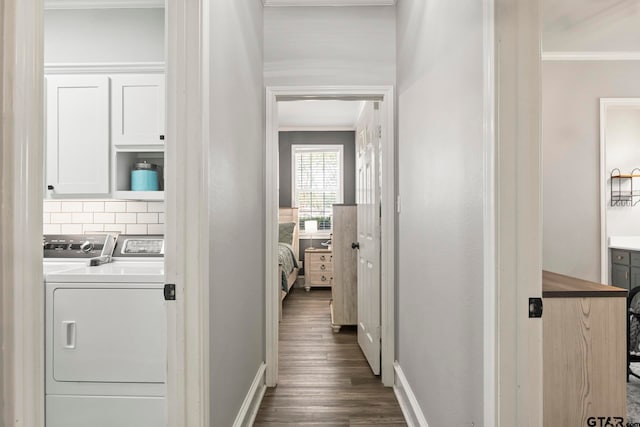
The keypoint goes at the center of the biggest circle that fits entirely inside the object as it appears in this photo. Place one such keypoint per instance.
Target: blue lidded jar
(144, 177)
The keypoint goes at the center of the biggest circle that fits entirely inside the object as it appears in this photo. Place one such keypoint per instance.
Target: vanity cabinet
(625, 268)
(77, 132)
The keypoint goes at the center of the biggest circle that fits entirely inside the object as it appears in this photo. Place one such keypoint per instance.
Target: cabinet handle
(626, 275)
(50, 187)
(323, 278)
(161, 137)
(620, 257)
(323, 267)
(322, 258)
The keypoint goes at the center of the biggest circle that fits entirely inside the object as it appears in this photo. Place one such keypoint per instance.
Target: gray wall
(104, 35)
(440, 225)
(344, 138)
(571, 158)
(237, 205)
(329, 46)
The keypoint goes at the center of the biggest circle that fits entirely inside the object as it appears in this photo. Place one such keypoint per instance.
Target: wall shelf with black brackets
(625, 188)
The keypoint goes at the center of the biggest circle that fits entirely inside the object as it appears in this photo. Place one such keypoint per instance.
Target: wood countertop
(556, 285)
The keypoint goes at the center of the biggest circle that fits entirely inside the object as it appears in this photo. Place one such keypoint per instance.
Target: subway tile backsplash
(88, 216)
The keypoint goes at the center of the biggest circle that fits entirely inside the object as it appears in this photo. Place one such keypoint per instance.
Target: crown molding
(591, 56)
(316, 129)
(329, 2)
(103, 4)
(105, 68)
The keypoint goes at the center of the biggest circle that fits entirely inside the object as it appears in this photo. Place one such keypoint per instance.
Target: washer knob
(86, 247)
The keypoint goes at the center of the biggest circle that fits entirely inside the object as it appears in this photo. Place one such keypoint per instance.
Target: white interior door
(368, 201)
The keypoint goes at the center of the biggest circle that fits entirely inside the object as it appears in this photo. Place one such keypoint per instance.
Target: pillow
(285, 234)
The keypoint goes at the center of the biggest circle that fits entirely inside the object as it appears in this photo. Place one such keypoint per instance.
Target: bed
(288, 253)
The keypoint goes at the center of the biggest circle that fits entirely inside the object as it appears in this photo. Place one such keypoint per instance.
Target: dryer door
(110, 334)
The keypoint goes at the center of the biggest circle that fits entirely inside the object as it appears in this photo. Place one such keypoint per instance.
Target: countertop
(556, 285)
(630, 243)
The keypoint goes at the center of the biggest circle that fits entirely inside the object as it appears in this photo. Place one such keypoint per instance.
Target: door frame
(21, 159)
(605, 105)
(388, 220)
(22, 395)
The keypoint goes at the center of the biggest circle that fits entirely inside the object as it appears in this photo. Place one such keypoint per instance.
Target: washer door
(109, 335)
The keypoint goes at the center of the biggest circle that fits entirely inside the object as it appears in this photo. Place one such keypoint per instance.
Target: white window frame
(317, 148)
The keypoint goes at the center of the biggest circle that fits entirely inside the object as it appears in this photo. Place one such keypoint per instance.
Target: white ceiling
(318, 115)
(329, 2)
(102, 4)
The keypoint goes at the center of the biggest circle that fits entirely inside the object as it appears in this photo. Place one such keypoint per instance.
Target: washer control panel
(77, 245)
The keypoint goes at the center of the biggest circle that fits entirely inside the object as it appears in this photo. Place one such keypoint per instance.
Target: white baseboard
(407, 400)
(249, 410)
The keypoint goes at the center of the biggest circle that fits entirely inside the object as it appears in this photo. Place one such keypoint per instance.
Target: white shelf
(139, 195)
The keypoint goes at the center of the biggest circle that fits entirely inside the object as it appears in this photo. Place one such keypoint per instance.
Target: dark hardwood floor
(324, 378)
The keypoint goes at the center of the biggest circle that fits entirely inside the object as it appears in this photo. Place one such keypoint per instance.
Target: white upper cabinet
(138, 109)
(77, 131)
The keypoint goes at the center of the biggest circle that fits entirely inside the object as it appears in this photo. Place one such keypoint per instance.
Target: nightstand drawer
(319, 266)
(321, 257)
(318, 279)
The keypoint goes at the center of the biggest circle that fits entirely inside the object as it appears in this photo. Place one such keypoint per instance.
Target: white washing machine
(106, 344)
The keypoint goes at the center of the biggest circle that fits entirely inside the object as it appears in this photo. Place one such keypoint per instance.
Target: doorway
(384, 95)
(22, 370)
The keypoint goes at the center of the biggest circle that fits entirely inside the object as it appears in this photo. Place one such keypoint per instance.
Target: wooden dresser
(318, 268)
(584, 351)
(344, 292)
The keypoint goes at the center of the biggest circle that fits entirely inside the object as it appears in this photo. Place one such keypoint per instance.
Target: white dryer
(106, 345)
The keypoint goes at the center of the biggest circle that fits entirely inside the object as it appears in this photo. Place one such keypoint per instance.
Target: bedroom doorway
(288, 201)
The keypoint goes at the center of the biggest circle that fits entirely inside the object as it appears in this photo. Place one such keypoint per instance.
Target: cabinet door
(620, 276)
(138, 109)
(77, 130)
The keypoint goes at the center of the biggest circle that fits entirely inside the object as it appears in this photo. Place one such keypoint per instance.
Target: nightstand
(318, 268)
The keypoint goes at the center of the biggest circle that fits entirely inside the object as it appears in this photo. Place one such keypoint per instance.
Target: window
(317, 182)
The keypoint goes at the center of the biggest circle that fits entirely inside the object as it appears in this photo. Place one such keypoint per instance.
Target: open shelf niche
(124, 159)
(625, 189)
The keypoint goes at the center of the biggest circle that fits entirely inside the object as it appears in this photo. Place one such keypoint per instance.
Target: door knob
(355, 245)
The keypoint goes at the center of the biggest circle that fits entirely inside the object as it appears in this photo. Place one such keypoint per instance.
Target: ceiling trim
(316, 128)
(329, 2)
(591, 56)
(105, 68)
(103, 4)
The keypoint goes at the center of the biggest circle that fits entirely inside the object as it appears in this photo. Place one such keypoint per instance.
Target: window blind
(317, 183)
